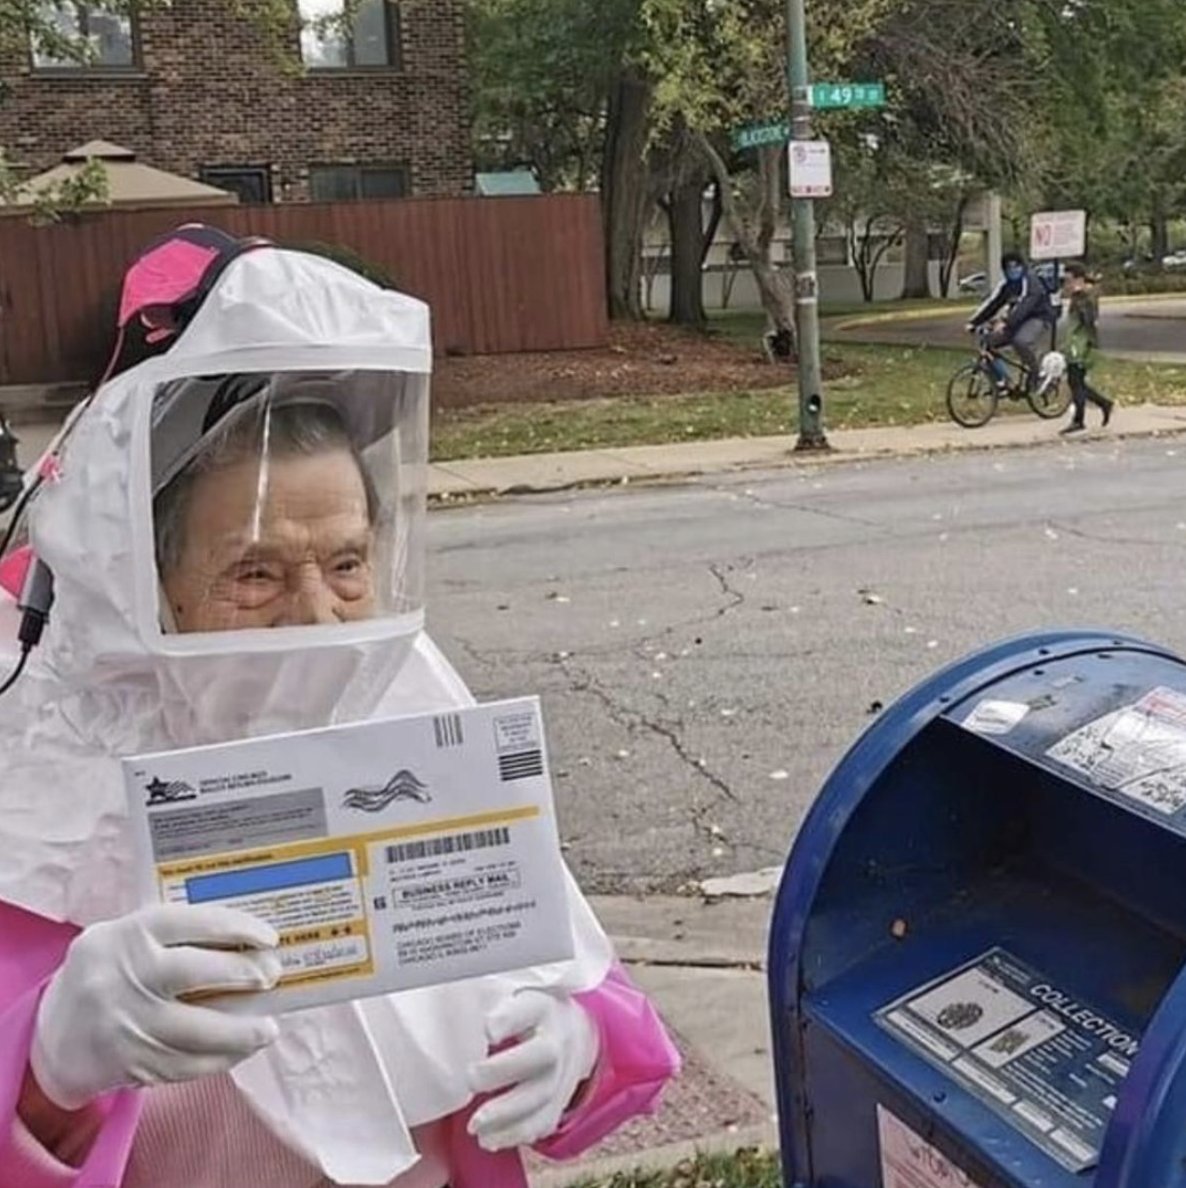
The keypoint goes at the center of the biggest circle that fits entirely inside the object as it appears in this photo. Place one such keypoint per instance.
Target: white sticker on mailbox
(995, 717)
(907, 1161)
(1137, 753)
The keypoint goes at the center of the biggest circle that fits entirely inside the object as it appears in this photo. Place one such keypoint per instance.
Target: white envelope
(389, 855)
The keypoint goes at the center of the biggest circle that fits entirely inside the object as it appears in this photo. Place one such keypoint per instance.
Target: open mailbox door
(977, 954)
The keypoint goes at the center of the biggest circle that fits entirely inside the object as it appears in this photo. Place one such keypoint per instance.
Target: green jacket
(1081, 336)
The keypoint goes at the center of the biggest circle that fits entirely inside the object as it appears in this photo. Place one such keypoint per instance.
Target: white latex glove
(113, 1013)
(557, 1050)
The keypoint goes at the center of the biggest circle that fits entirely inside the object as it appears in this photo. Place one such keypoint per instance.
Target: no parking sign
(1058, 235)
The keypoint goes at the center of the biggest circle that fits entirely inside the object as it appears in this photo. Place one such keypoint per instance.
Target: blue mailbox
(978, 949)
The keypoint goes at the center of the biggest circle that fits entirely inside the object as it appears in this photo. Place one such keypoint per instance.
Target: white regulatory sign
(1058, 235)
(811, 169)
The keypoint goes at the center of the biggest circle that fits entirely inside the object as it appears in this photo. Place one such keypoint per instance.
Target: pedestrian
(1081, 340)
(1029, 315)
(235, 535)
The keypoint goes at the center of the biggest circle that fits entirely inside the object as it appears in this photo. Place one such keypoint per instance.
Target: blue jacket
(1028, 298)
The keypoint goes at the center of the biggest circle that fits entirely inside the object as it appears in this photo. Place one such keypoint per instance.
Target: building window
(368, 40)
(105, 40)
(253, 183)
(347, 183)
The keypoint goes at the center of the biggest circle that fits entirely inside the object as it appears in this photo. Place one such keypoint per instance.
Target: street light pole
(811, 395)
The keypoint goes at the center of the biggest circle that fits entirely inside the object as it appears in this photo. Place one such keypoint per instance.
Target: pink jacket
(637, 1059)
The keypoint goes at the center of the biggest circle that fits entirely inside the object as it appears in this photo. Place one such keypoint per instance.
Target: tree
(721, 64)
(868, 206)
(541, 76)
(681, 179)
(561, 85)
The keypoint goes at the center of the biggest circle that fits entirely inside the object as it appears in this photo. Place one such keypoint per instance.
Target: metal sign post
(811, 396)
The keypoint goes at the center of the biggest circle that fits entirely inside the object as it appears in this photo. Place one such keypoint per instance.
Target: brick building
(380, 111)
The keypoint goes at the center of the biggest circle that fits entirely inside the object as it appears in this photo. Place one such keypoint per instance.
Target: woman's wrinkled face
(288, 546)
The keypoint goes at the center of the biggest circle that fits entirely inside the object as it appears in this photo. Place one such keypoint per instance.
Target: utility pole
(811, 395)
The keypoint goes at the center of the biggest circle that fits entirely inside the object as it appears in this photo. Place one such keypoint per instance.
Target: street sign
(758, 135)
(830, 95)
(811, 169)
(1058, 235)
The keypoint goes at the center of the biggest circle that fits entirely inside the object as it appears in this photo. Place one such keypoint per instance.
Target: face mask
(1014, 272)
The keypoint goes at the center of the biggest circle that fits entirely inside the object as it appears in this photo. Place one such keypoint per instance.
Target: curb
(658, 1159)
(835, 457)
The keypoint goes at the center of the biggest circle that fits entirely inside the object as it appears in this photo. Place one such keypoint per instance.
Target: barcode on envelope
(447, 728)
(453, 843)
(521, 766)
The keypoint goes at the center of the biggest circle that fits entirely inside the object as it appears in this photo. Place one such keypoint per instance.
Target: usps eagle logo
(404, 785)
(168, 791)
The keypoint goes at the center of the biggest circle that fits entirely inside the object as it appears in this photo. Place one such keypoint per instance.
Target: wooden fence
(501, 274)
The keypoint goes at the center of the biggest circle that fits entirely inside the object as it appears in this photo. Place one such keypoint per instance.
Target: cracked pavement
(706, 652)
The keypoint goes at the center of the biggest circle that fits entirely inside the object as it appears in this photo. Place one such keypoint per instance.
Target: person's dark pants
(1024, 340)
(1082, 392)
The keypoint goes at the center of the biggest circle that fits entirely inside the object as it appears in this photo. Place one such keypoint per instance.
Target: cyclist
(1030, 315)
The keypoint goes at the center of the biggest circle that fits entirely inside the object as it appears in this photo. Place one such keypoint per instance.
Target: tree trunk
(714, 223)
(917, 281)
(624, 190)
(685, 217)
(955, 241)
(1160, 228)
(753, 232)
(778, 300)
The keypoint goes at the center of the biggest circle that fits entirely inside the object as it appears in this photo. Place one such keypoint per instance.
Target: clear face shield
(288, 500)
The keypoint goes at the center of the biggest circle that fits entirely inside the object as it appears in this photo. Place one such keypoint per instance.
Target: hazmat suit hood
(344, 1084)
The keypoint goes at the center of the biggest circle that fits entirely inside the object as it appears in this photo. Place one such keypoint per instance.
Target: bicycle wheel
(1051, 400)
(972, 396)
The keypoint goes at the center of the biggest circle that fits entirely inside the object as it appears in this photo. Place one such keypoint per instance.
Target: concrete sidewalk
(487, 477)
(554, 472)
(702, 963)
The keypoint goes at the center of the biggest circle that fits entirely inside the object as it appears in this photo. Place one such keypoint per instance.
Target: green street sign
(759, 135)
(832, 95)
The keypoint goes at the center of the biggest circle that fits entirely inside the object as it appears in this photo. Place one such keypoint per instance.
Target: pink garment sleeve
(30, 952)
(636, 1060)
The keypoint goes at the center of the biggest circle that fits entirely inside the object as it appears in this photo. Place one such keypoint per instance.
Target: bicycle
(976, 390)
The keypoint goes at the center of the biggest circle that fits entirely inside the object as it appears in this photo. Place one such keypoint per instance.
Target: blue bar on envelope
(277, 876)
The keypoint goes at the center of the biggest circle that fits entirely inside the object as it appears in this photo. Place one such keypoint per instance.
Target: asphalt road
(706, 652)
(1127, 328)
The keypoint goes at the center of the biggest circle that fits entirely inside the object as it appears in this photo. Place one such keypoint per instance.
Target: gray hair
(297, 429)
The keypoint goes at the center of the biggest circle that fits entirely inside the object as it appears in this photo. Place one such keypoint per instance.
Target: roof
(513, 181)
(130, 183)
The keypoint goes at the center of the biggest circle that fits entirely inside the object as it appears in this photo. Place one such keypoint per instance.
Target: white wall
(839, 284)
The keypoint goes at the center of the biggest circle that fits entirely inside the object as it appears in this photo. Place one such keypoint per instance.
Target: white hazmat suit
(342, 1085)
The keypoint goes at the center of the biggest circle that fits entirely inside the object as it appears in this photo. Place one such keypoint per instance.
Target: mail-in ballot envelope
(388, 855)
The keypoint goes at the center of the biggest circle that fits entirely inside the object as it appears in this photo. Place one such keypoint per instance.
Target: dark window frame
(360, 169)
(393, 40)
(87, 66)
(216, 175)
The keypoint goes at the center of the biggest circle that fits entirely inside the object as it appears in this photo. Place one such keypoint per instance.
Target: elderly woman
(235, 537)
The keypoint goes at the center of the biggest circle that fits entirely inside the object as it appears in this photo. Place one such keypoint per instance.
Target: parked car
(976, 283)
(1175, 259)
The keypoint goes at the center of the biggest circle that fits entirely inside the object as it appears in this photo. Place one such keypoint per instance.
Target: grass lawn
(876, 385)
(745, 1169)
